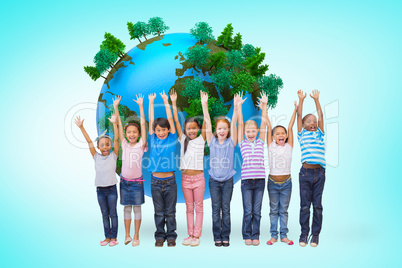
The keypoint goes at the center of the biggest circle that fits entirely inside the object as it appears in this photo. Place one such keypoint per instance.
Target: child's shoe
(195, 242)
(314, 241)
(287, 241)
(303, 240)
(113, 243)
(256, 242)
(187, 241)
(248, 242)
(127, 241)
(104, 242)
(136, 243)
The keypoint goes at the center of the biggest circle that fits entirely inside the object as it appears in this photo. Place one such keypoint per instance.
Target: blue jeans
(164, 197)
(311, 188)
(279, 198)
(107, 199)
(252, 191)
(221, 195)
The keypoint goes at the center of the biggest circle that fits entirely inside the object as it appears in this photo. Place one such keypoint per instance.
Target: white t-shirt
(280, 158)
(194, 157)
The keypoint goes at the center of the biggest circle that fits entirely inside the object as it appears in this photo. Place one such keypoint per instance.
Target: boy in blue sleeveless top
(312, 172)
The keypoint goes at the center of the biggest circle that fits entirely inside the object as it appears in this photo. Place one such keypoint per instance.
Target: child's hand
(236, 99)
(204, 97)
(152, 97)
(164, 96)
(173, 96)
(301, 95)
(241, 101)
(315, 94)
(262, 100)
(140, 99)
(296, 105)
(116, 101)
(112, 119)
(79, 122)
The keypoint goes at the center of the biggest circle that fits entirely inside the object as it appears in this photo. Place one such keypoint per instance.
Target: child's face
(222, 130)
(132, 134)
(104, 146)
(161, 132)
(192, 130)
(280, 135)
(310, 123)
(251, 132)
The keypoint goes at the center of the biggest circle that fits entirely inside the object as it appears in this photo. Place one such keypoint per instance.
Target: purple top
(253, 159)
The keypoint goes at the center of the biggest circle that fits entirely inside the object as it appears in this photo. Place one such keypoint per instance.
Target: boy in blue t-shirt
(163, 140)
(312, 172)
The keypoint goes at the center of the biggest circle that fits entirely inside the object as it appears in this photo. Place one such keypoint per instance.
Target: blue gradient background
(350, 50)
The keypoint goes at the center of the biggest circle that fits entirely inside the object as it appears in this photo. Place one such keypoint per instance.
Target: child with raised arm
(221, 145)
(162, 141)
(192, 167)
(312, 172)
(252, 172)
(105, 178)
(133, 144)
(280, 147)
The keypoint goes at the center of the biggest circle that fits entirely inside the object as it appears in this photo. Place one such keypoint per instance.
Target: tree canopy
(103, 60)
(113, 44)
(242, 82)
(202, 32)
(217, 60)
(222, 79)
(248, 51)
(237, 43)
(225, 39)
(253, 63)
(271, 85)
(197, 56)
(133, 32)
(156, 26)
(234, 60)
(92, 72)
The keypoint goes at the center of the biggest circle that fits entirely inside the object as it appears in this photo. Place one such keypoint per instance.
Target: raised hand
(301, 95)
(79, 122)
(236, 99)
(152, 97)
(315, 94)
(113, 119)
(164, 96)
(116, 101)
(262, 100)
(204, 97)
(241, 101)
(139, 100)
(296, 105)
(173, 96)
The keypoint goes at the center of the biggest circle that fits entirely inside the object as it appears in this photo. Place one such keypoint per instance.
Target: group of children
(163, 136)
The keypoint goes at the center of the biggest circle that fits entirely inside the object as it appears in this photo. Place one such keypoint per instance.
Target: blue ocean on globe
(152, 69)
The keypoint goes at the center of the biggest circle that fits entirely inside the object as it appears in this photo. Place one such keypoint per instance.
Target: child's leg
(137, 221)
(257, 204)
(227, 191)
(306, 196)
(216, 202)
(102, 200)
(127, 219)
(187, 188)
(159, 208)
(170, 199)
(318, 188)
(112, 204)
(199, 189)
(247, 196)
(273, 193)
(284, 200)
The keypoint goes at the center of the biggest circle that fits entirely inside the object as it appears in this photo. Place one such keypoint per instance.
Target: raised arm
(113, 119)
(300, 110)
(269, 129)
(140, 102)
(263, 100)
(173, 98)
(233, 125)
(240, 116)
(151, 98)
(168, 112)
(290, 127)
(116, 102)
(315, 94)
(80, 124)
(207, 119)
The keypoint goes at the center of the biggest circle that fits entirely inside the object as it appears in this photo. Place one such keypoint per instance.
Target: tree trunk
(139, 39)
(103, 77)
(113, 65)
(159, 34)
(121, 53)
(145, 37)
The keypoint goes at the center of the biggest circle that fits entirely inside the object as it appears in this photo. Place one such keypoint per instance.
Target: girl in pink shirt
(133, 145)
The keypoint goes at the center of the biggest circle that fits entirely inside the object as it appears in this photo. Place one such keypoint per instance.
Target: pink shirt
(132, 159)
(280, 158)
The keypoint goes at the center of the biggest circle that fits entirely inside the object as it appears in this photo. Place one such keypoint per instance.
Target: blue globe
(152, 67)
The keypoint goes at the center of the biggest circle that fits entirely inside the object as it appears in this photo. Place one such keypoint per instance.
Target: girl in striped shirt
(252, 172)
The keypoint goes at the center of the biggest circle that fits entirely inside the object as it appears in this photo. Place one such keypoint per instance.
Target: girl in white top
(280, 146)
(192, 166)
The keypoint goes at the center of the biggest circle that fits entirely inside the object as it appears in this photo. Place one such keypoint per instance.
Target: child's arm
(168, 112)
(151, 98)
(299, 110)
(140, 102)
(116, 102)
(113, 119)
(173, 97)
(290, 127)
(80, 124)
(233, 127)
(240, 116)
(269, 130)
(207, 119)
(263, 105)
(315, 96)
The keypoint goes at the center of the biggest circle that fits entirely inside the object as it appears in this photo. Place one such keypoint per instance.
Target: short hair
(103, 137)
(305, 117)
(162, 122)
(224, 120)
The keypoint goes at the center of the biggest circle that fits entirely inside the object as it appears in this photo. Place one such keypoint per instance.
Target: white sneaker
(195, 242)
(187, 241)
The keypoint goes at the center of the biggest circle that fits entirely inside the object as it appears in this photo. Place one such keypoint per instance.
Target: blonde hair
(248, 123)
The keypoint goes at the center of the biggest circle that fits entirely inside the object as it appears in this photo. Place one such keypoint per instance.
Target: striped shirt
(253, 159)
(312, 147)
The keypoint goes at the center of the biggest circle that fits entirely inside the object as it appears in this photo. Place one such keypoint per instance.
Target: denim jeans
(311, 188)
(221, 195)
(252, 191)
(279, 197)
(164, 197)
(107, 199)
